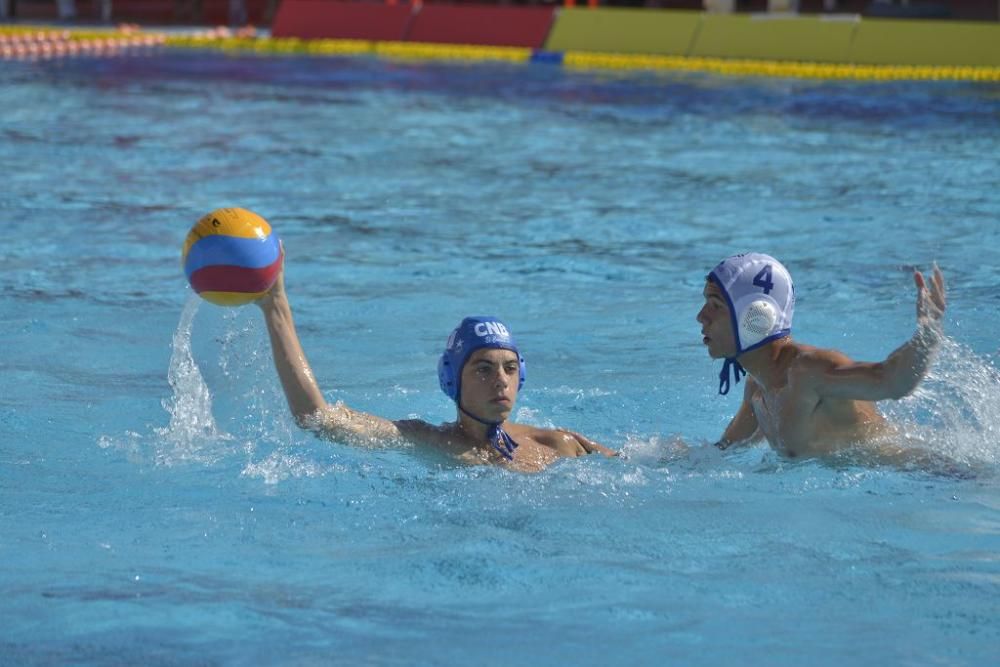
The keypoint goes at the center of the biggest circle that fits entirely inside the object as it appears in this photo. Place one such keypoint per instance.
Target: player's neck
(472, 429)
(762, 364)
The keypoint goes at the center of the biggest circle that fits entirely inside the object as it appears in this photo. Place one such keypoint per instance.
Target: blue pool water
(158, 506)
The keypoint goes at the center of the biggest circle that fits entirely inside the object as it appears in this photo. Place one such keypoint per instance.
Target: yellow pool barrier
(46, 42)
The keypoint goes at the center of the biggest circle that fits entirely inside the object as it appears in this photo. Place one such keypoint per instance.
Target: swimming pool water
(158, 506)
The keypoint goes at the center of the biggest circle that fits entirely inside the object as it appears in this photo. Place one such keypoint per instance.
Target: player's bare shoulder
(807, 364)
(570, 443)
(419, 432)
(563, 443)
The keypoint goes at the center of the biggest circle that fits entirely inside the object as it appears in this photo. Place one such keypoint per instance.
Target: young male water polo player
(481, 369)
(804, 400)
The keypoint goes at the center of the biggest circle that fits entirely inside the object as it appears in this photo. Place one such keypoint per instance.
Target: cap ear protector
(474, 333)
(757, 322)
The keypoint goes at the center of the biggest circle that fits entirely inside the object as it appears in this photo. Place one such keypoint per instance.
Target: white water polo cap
(761, 299)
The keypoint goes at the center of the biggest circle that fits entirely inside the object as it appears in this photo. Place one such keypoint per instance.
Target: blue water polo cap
(761, 299)
(474, 333)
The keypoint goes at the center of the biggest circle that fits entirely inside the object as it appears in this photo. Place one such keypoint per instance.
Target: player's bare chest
(780, 409)
(529, 455)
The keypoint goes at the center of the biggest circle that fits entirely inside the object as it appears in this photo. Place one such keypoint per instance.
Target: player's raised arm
(302, 392)
(902, 370)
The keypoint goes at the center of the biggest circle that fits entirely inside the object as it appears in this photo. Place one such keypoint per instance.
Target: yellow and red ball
(231, 257)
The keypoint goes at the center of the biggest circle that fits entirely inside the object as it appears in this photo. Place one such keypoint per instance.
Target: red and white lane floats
(50, 44)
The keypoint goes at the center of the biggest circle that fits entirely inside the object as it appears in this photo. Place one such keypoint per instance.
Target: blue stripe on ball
(231, 251)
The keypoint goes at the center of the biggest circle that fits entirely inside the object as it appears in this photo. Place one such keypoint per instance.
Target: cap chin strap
(738, 372)
(499, 439)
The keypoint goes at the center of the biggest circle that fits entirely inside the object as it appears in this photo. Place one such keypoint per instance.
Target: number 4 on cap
(763, 279)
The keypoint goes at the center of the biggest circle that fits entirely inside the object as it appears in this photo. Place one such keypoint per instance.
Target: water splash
(279, 466)
(956, 410)
(192, 434)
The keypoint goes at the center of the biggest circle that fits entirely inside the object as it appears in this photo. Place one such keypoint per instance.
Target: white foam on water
(955, 412)
(279, 466)
(192, 434)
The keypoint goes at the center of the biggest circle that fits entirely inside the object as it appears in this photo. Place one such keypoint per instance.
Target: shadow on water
(602, 95)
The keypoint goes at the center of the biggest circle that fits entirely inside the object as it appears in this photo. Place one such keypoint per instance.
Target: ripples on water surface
(157, 504)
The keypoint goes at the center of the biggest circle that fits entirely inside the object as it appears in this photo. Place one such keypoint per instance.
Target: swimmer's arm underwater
(305, 400)
(833, 375)
(743, 428)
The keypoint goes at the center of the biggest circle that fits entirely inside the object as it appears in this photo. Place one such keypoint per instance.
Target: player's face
(716, 323)
(489, 383)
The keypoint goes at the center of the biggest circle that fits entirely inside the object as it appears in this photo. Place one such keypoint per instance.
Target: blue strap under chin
(499, 439)
(738, 372)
